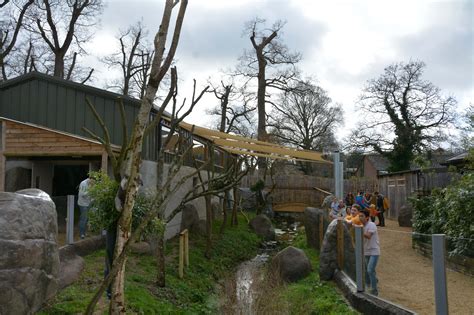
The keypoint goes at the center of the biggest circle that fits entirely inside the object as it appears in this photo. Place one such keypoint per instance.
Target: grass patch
(195, 294)
(307, 296)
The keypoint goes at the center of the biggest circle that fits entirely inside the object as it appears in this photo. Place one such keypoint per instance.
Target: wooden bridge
(290, 207)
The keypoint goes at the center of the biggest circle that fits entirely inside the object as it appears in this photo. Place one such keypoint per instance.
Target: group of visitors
(362, 210)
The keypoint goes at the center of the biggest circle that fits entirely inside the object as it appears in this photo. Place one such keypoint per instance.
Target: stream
(251, 273)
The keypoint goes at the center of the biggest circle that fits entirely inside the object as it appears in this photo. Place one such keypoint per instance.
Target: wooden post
(340, 244)
(186, 248)
(321, 231)
(181, 258)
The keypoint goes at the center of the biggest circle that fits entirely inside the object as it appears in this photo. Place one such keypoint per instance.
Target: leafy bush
(103, 214)
(449, 211)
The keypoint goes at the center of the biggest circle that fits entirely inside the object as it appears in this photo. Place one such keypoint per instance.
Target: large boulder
(405, 216)
(248, 199)
(328, 254)
(291, 264)
(216, 210)
(29, 257)
(189, 218)
(311, 225)
(262, 226)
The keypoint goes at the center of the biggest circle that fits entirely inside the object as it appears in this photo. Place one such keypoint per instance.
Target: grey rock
(311, 225)
(201, 227)
(189, 218)
(70, 270)
(29, 256)
(216, 210)
(263, 227)
(141, 248)
(328, 253)
(292, 264)
(248, 199)
(405, 215)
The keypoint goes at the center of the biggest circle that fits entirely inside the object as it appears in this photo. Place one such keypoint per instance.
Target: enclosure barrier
(70, 220)
(183, 252)
(439, 271)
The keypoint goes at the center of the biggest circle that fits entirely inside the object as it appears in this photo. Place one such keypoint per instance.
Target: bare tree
(11, 22)
(63, 25)
(271, 63)
(235, 108)
(133, 60)
(403, 114)
(305, 118)
(131, 157)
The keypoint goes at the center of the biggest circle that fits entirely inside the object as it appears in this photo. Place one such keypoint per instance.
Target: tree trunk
(157, 243)
(208, 227)
(234, 220)
(261, 131)
(224, 209)
(59, 65)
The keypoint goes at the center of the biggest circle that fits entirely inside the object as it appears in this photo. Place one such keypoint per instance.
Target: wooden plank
(51, 153)
(290, 207)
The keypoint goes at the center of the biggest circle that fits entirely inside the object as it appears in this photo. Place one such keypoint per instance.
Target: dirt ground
(406, 278)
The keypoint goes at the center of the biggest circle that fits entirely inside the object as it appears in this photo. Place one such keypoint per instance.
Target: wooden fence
(301, 188)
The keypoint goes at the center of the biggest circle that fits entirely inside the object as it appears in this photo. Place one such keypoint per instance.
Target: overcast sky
(343, 43)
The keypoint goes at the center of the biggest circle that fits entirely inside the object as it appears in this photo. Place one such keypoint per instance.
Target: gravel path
(406, 278)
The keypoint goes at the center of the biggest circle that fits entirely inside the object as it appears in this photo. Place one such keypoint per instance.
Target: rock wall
(29, 257)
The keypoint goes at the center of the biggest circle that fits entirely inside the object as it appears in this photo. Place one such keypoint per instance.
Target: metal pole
(341, 180)
(70, 220)
(359, 255)
(439, 271)
(337, 178)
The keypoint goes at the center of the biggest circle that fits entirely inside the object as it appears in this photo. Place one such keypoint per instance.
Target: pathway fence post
(439, 271)
(70, 220)
(359, 255)
(183, 251)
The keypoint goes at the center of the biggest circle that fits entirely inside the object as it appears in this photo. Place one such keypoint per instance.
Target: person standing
(371, 250)
(360, 200)
(84, 202)
(380, 208)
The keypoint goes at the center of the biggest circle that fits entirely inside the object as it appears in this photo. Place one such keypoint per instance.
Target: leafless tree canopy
(11, 22)
(304, 118)
(133, 60)
(63, 26)
(403, 114)
(235, 109)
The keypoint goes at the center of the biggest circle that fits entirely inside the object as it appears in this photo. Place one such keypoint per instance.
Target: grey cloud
(217, 35)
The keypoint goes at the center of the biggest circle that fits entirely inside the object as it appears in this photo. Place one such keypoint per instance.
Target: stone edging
(366, 303)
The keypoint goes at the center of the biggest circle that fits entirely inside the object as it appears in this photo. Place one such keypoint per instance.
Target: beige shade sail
(247, 146)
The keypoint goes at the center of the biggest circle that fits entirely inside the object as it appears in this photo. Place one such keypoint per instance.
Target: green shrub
(449, 211)
(103, 214)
